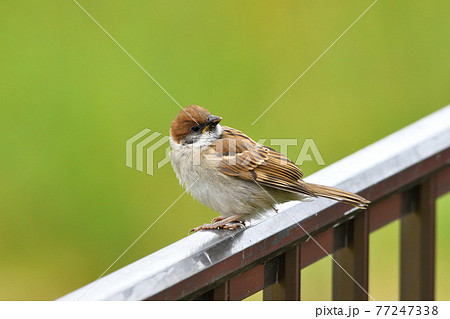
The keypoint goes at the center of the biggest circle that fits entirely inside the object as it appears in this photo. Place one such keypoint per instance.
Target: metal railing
(402, 175)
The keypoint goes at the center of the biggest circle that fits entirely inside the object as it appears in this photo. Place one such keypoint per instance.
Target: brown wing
(246, 159)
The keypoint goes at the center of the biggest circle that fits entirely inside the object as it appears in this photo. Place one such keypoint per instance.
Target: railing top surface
(199, 252)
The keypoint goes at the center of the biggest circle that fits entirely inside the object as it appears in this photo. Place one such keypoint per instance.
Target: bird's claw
(234, 225)
(217, 225)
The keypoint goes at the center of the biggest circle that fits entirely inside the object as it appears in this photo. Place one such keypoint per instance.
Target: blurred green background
(70, 98)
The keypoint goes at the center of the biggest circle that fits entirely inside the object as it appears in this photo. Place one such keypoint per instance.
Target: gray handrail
(197, 255)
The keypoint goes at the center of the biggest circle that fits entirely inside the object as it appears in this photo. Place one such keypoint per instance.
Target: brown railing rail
(402, 175)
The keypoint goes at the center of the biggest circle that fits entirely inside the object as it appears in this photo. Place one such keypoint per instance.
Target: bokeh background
(70, 98)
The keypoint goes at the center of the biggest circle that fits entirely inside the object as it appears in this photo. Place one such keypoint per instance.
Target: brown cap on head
(186, 118)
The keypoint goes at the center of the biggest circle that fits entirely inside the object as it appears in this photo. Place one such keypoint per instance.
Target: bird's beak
(211, 121)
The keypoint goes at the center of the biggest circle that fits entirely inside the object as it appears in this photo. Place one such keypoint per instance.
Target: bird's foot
(221, 222)
(234, 225)
(217, 219)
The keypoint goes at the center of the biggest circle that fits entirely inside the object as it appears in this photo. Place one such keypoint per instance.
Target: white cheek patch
(173, 144)
(219, 130)
(205, 139)
(209, 137)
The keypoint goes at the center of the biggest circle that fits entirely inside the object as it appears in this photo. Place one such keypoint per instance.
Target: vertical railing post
(287, 286)
(418, 243)
(354, 258)
(222, 292)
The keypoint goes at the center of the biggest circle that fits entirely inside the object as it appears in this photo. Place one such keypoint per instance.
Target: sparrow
(237, 177)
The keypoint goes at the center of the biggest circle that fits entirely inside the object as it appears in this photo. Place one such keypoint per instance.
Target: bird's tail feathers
(339, 195)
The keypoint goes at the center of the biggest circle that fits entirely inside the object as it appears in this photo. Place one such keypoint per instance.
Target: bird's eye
(195, 128)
